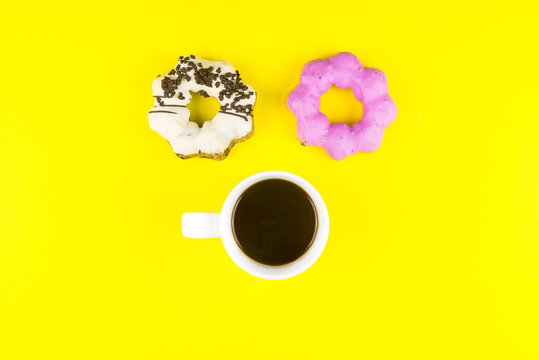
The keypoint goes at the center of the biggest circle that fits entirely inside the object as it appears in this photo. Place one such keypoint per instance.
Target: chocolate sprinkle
(170, 85)
(233, 90)
(205, 76)
(159, 101)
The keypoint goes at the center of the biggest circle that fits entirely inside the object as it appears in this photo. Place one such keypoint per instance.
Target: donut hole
(341, 106)
(202, 108)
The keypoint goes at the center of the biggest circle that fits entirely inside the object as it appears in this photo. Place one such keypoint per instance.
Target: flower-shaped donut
(170, 117)
(368, 85)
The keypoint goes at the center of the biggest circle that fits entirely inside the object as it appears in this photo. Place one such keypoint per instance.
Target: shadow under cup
(274, 222)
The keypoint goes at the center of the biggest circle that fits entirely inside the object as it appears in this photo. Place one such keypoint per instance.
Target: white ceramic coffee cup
(211, 225)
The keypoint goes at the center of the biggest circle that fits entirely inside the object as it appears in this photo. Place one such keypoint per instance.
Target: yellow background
(433, 250)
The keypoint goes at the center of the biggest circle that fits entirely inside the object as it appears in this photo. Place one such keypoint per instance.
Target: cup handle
(200, 225)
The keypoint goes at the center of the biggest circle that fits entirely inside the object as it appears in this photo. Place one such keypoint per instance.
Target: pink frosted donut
(369, 86)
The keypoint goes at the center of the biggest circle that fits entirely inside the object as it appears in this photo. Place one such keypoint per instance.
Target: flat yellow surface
(433, 250)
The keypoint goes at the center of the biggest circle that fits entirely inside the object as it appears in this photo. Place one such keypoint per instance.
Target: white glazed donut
(170, 117)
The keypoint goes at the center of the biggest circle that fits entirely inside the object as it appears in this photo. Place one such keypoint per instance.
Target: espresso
(274, 222)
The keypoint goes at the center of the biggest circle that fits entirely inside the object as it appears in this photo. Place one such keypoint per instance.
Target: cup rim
(267, 271)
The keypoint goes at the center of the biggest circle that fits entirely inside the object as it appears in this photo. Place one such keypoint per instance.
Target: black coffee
(274, 222)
